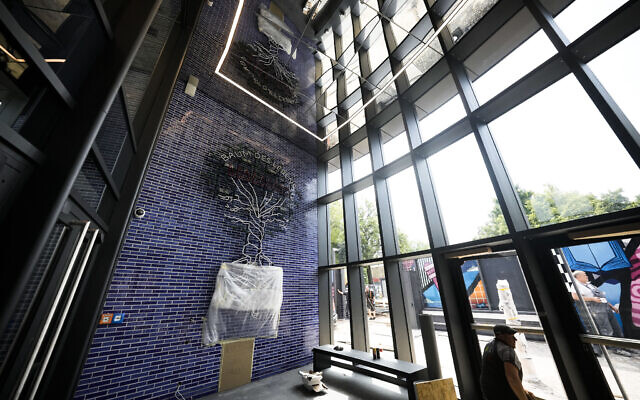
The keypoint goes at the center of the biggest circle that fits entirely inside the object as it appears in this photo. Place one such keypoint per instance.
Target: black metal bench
(398, 372)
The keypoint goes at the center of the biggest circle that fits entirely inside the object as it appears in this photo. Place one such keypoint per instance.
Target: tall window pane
(439, 108)
(465, 195)
(334, 175)
(617, 69)
(340, 315)
(368, 229)
(408, 219)
(601, 280)
(498, 65)
(394, 140)
(568, 164)
(497, 292)
(377, 308)
(581, 15)
(361, 165)
(337, 251)
(420, 284)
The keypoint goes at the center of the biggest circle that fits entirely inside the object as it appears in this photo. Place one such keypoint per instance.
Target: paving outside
(540, 373)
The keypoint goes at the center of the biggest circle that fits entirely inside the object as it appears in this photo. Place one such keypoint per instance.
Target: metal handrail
(611, 341)
(52, 310)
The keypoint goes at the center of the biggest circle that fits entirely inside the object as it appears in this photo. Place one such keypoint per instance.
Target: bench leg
(411, 390)
(321, 361)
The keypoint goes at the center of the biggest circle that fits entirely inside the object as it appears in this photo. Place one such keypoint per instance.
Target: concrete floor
(343, 385)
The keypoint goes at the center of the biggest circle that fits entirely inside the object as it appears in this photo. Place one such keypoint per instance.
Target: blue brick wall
(165, 274)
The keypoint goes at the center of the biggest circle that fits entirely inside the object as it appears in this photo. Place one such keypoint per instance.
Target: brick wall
(165, 274)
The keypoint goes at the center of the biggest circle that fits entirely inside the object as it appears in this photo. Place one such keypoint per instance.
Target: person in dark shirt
(501, 377)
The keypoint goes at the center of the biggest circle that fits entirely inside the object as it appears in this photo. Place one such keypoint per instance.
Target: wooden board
(439, 389)
(236, 365)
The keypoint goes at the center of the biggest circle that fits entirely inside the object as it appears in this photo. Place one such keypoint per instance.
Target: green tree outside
(553, 206)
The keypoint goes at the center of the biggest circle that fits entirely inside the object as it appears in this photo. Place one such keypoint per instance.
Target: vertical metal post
(430, 346)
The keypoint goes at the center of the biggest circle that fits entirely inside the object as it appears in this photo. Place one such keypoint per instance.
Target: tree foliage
(553, 206)
(370, 245)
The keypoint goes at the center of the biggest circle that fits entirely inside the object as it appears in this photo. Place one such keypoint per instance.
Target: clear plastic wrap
(246, 303)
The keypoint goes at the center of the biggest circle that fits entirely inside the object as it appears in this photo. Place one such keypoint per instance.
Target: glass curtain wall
(509, 131)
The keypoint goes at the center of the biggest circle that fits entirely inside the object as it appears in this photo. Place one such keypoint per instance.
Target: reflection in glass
(394, 140)
(378, 51)
(352, 75)
(581, 15)
(406, 18)
(333, 138)
(467, 17)
(358, 119)
(337, 252)
(408, 219)
(331, 99)
(340, 313)
(497, 284)
(424, 61)
(327, 42)
(388, 95)
(466, 198)
(334, 175)
(361, 165)
(139, 75)
(523, 59)
(585, 171)
(617, 69)
(368, 228)
(377, 308)
(368, 11)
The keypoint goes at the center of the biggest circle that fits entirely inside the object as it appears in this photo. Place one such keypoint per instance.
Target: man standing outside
(501, 377)
(600, 309)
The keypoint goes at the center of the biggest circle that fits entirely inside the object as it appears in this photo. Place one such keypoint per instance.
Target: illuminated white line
(231, 81)
(232, 32)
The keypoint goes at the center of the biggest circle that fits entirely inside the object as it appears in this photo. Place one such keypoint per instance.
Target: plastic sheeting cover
(246, 303)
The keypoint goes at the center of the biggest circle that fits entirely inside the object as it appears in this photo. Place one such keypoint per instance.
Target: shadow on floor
(343, 385)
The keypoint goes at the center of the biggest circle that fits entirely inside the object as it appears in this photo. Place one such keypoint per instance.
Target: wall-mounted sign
(259, 195)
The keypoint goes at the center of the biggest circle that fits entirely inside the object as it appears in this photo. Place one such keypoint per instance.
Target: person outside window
(347, 310)
(501, 376)
(371, 302)
(600, 309)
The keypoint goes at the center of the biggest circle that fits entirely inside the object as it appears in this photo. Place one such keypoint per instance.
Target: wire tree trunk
(256, 213)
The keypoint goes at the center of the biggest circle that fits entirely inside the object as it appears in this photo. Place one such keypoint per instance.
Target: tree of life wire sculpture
(256, 214)
(271, 57)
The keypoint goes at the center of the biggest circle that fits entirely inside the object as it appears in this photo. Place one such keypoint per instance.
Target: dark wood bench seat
(398, 372)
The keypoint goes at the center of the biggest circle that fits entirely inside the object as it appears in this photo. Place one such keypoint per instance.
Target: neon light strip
(232, 32)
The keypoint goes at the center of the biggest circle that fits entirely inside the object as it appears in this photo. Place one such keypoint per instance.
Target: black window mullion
(617, 120)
